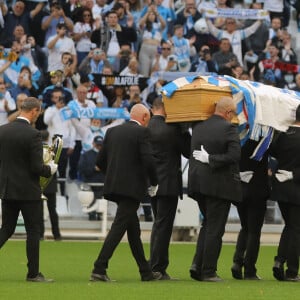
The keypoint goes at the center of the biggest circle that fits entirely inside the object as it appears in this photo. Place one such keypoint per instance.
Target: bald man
(214, 182)
(128, 164)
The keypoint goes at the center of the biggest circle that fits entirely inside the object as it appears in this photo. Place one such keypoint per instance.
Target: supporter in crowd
(13, 114)
(204, 62)
(18, 16)
(98, 9)
(297, 80)
(82, 102)
(164, 61)
(287, 53)
(7, 103)
(132, 69)
(167, 13)
(82, 33)
(24, 84)
(56, 79)
(269, 65)
(94, 93)
(151, 25)
(93, 62)
(56, 125)
(57, 16)
(123, 57)
(234, 35)
(225, 59)
(183, 49)
(111, 36)
(120, 97)
(90, 173)
(59, 44)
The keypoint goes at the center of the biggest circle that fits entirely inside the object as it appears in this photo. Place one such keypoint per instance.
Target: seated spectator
(24, 84)
(82, 33)
(204, 62)
(162, 60)
(120, 98)
(151, 25)
(57, 16)
(112, 36)
(7, 103)
(225, 59)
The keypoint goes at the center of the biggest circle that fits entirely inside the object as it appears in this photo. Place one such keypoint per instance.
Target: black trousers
(51, 204)
(164, 211)
(251, 215)
(289, 245)
(215, 212)
(31, 214)
(126, 220)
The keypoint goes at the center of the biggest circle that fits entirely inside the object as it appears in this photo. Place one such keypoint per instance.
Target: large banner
(73, 110)
(117, 80)
(236, 13)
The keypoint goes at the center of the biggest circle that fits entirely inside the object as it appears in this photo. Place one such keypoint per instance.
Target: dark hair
(81, 18)
(157, 103)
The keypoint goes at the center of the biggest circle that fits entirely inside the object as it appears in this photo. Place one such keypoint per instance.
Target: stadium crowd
(64, 52)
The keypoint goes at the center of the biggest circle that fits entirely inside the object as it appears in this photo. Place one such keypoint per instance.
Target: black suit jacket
(286, 149)
(168, 143)
(21, 161)
(220, 178)
(128, 163)
(258, 188)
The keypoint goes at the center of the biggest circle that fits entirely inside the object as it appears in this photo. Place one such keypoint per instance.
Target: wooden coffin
(194, 102)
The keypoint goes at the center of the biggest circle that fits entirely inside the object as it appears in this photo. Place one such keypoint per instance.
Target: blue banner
(73, 110)
(237, 13)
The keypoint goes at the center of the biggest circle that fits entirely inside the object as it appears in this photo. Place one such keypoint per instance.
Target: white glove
(246, 176)
(283, 175)
(152, 190)
(201, 155)
(53, 166)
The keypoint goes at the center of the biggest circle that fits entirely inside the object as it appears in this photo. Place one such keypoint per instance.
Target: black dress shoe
(151, 276)
(236, 271)
(278, 271)
(212, 279)
(99, 277)
(293, 279)
(194, 273)
(39, 278)
(252, 277)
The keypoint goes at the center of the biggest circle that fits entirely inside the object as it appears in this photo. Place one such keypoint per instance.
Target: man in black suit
(256, 191)
(214, 182)
(286, 190)
(168, 142)
(128, 164)
(21, 165)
